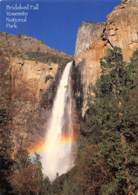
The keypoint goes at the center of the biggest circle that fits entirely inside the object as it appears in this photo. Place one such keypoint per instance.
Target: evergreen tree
(111, 121)
(106, 163)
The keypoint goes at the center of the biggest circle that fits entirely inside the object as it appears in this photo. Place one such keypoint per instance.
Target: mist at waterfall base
(57, 151)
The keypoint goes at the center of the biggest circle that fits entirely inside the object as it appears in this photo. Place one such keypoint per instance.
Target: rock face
(28, 68)
(87, 34)
(120, 29)
(29, 73)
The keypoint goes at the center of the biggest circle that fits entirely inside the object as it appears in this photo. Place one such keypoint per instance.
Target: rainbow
(40, 146)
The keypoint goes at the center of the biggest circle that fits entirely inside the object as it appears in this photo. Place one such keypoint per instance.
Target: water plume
(57, 157)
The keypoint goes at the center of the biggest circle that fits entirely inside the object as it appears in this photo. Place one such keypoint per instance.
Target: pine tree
(111, 120)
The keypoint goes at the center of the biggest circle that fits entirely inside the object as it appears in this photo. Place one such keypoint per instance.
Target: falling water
(58, 157)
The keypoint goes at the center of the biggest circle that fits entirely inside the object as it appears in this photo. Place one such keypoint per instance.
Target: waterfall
(58, 156)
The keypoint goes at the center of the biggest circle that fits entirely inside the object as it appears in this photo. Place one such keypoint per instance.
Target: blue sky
(57, 21)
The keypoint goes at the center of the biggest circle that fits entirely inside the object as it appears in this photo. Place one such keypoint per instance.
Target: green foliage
(107, 160)
(111, 121)
(106, 163)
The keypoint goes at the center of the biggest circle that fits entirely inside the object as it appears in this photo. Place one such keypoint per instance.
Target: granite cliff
(29, 75)
(33, 69)
(30, 72)
(93, 40)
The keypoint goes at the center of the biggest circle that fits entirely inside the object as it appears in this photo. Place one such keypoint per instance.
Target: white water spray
(58, 158)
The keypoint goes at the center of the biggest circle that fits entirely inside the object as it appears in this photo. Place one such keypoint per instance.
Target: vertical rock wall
(120, 29)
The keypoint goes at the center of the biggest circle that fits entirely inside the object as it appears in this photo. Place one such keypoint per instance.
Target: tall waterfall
(58, 156)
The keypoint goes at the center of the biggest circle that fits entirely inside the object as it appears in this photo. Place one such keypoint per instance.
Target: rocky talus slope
(120, 29)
